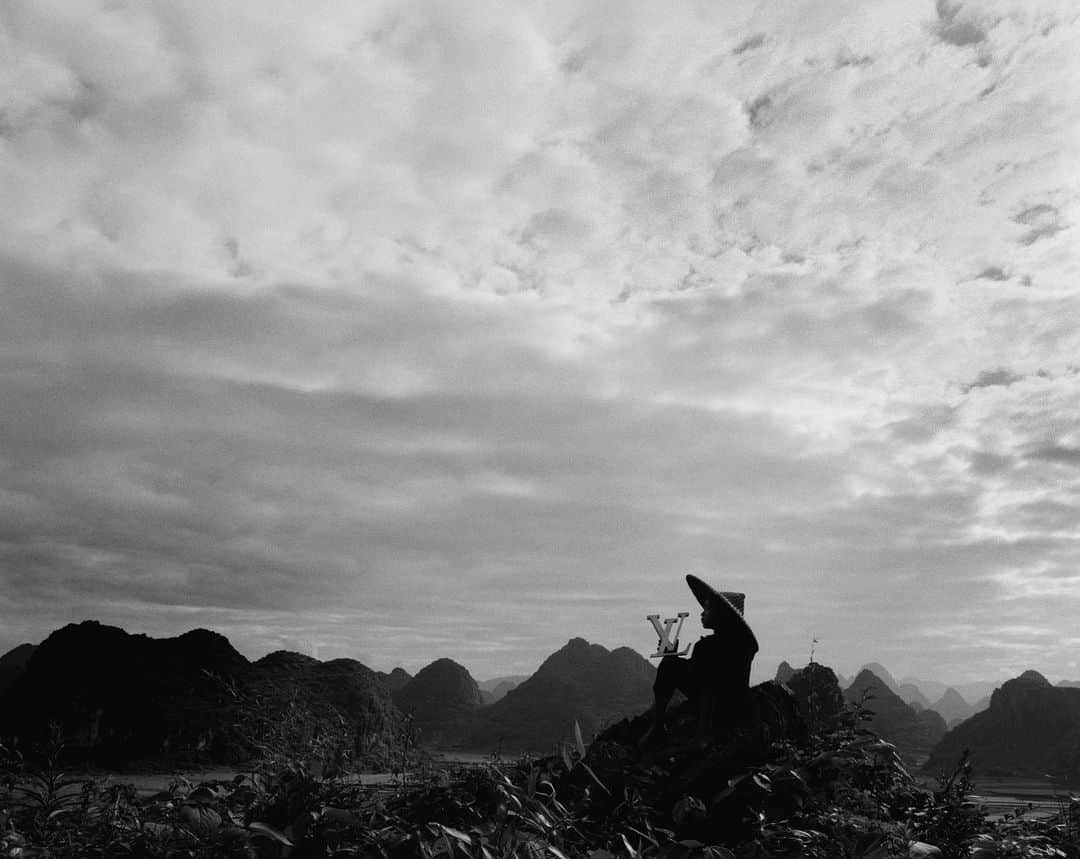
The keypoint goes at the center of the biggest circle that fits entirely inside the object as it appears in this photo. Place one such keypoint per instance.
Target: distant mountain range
(929, 693)
(442, 699)
(1030, 728)
(495, 688)
(913, 733)
(581, 682)
(122, 698)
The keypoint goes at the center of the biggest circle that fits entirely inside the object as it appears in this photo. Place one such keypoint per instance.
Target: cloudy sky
(397, 330)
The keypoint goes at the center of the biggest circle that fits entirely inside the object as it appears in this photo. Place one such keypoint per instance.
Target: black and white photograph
(501, 429)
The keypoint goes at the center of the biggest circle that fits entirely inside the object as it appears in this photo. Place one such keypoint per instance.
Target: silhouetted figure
(716, 677)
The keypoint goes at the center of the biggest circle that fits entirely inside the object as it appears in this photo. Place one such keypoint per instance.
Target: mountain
(581, 681)
(932, 690)
(817, 694)
(1030, 728)
(395, 679)
(442, 699)
(1069, 684)
(893, 720)
(13, 664)
(882, 673)
(289, 696)
(494, 689)
(952, 707)
(120, 698)
(784, 672)
(911, 694)
(934, 724)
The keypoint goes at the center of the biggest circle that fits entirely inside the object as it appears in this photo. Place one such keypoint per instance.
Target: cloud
(385, 328)
(989, 378)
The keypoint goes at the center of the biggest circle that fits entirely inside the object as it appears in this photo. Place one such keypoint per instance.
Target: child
(716, 677)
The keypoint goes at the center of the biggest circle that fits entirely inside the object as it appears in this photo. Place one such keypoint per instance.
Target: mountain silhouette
(322, 698)
(442, 699)
(911, 694)
(497, 687)
(120, 698)
(1030, 728)
(952, 707)
(893, 720)
(817, 694)
(882, 673)
(784, 671)
(13, 664)
(581, 682)
(395, 679)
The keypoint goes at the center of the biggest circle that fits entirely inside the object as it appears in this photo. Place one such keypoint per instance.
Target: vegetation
(844, 793)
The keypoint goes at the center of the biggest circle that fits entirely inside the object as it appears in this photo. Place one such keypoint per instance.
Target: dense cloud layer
(427, 330)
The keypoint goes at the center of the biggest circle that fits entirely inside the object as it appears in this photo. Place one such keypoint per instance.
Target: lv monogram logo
(666, 646)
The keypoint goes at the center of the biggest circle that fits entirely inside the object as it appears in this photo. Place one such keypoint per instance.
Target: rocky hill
(581, 681)
(497, 687)
(882, 673)
(395, 679)
(912, 733)
(952, 707)
(784, 671)
(911, 694)
(817, 693)
(442, 698)
(13, 664)
(1030, 728)
(121, 698)
(297, 700)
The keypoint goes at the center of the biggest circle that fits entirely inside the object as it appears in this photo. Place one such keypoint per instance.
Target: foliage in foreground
(844, 794)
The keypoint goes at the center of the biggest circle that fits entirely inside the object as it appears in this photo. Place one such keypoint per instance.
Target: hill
(581, 681)
(817, 693)
(882, 673)
(784, 672)
(1030, 728)
(912, 733)
(13, 664)
(497, 687)
(395, 679)
(296, 701)
(952, 707)
(121, 698)
(911, 694)
(442, 698)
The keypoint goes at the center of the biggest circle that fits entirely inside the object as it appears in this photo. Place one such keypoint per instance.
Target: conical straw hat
(731, 602)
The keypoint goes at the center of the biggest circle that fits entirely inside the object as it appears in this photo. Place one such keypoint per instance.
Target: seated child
(716, 677)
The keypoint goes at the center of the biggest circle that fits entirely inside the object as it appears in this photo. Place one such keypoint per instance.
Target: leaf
(599, 783)
(455, 833)
(340, 815)
(556, 852)
(577, 739)
(567, 760)
(268, 831)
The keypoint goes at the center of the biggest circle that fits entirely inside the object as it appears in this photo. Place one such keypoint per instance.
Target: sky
(401, 330)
